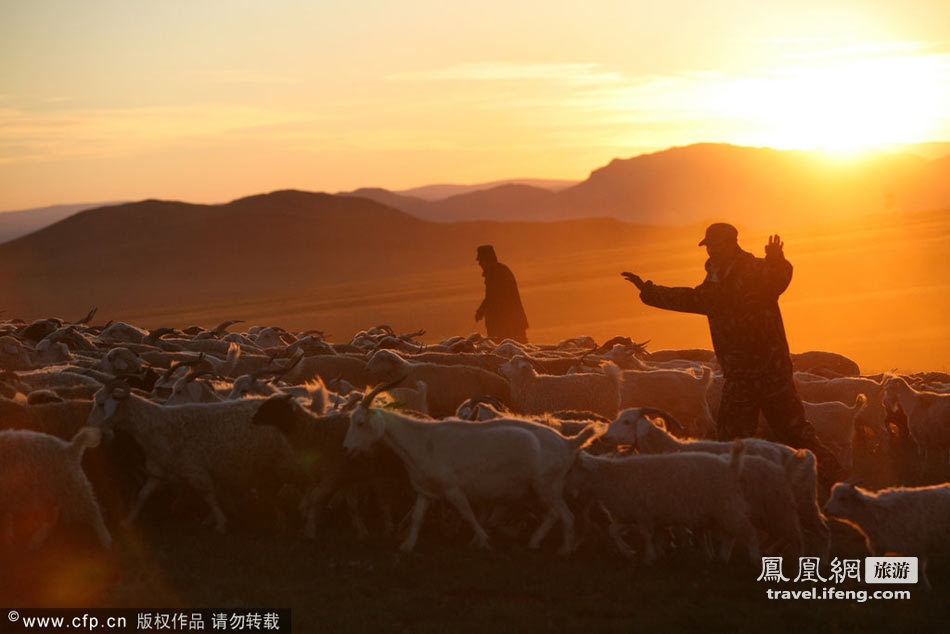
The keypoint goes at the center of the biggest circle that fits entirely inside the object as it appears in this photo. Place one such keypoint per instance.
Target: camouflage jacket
(741, 304)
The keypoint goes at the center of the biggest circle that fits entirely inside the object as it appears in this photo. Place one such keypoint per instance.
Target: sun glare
(842, 108)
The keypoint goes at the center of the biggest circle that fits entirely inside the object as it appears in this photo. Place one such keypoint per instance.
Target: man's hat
(720, 232)
(486, 251)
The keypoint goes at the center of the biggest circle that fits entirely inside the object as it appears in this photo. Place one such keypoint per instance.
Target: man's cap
(486, 251)
(719, 233)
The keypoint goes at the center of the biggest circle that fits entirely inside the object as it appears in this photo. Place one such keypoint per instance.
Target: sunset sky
(208, 101)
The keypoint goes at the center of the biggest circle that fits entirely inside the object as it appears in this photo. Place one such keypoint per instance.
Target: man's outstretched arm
(681, 298)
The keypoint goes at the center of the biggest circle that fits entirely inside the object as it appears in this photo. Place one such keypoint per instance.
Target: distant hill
(755, 187)
(693, 184)
(440, 192)
(504, 203)
(153, 253)
(14, 224)
(410, 204)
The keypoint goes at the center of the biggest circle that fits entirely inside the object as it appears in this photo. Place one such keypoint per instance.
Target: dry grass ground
(337, 584)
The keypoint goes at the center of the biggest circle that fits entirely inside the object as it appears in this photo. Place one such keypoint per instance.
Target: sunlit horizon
(194, 102)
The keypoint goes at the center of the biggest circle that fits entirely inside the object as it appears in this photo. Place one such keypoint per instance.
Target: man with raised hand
(740, 299)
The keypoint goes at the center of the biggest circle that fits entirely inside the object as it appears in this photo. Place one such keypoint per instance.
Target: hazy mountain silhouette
(757, 187)
(443, 191)
(691, 184)
(754, 186)
(504, 202)
(14, 224)
(411, 205)
(154, 252)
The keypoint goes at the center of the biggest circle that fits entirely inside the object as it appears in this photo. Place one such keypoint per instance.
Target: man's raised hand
(774, 247)
(635, 279)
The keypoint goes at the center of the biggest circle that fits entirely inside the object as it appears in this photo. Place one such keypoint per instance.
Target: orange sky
(207, 101)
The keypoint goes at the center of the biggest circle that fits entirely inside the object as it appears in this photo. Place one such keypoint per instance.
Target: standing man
(740, 298)
(501, 308)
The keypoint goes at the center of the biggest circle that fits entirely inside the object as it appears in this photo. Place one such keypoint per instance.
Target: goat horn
(488, 400)
(334, 381)
(224, 325)
(192, 375)
(179, 364)
(666, 416)
(294, 361)
(368, 399)
(589, 352)
(85, 320)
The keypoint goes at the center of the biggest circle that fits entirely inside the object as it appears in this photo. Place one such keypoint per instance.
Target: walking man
(502, 310)
(740, 298)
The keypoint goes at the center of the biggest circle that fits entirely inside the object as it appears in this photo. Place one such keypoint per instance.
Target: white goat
(498, 461)
(928, 416)
(41, 474)
(653, 492)
(632, 427)
(534, 393)
(834, 424)
(846, 390)
(447, 385)
(767, 488)
(903, 521)
(209, 446)
(678, 392)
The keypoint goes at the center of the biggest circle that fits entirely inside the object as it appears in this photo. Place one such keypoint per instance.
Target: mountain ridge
(689, 184)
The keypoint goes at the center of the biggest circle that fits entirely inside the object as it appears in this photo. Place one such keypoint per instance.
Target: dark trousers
(778, 400)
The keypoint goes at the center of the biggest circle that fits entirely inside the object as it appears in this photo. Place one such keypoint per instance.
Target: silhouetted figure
(740, 298)
(501, 308)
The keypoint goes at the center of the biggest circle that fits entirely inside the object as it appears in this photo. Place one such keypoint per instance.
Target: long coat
(504, 314)
(741, 303)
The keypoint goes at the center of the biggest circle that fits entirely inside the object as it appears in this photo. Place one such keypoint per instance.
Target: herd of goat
(607, 440)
